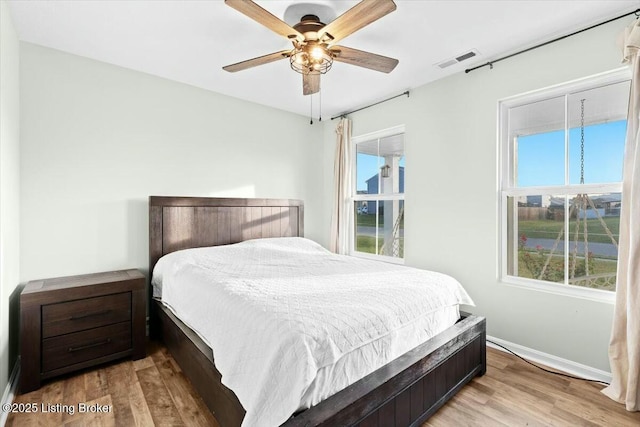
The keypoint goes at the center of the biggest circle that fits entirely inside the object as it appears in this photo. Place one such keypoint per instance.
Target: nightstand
(71, 323)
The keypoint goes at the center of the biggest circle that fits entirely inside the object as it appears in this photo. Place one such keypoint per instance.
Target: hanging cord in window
(548, 370)
(582, 141)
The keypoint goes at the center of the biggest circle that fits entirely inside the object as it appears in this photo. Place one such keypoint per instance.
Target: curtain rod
(379, 102)
(490, 63)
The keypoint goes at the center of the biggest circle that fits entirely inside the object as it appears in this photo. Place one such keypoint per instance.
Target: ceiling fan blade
(360, 15)
(262, 16)
(254, 62)
(311, 83)
(364, 59)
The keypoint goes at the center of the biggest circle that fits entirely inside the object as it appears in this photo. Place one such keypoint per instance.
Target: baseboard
(555, 362)
(10, 391)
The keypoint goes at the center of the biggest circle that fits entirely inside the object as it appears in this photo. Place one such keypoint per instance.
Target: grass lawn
(549, 229)
(368, 244)
(369, 220)
(596, 266)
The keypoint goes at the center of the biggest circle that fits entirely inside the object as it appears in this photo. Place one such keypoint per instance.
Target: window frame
(507, 188)
(355, 197)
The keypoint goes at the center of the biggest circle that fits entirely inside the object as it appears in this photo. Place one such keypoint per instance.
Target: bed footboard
(405, 392)
(408, 390)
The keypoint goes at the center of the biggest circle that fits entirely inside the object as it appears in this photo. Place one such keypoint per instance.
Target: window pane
(537, 237)
(593, 238)
(380, 227)
(368, 164)
(380, 165)
(537, 130)
(605, 126)
(366, 227)
(391, 228)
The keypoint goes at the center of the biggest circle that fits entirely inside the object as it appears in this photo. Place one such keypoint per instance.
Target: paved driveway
(602, 249)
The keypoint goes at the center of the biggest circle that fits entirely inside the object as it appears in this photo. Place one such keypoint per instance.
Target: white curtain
(342, 171)
(624, 348)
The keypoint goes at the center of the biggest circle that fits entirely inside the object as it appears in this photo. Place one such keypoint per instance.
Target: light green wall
(97, 140)
(9, 187)
(451, 210)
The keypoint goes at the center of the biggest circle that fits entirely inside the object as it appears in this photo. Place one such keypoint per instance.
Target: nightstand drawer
(74, 316)
(75, 322)
(78, 347)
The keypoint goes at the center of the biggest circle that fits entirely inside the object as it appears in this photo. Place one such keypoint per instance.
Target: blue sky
(541, 156)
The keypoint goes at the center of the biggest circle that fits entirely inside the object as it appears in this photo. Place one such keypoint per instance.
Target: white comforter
(277, 312)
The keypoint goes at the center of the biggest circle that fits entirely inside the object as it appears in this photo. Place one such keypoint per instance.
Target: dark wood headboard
(177, 223)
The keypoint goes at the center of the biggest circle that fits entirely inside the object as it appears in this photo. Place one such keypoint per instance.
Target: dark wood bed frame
(404, 392)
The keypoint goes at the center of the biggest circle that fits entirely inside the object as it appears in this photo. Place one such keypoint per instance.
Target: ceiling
(392, 145)
(190, 41)
(602, 104)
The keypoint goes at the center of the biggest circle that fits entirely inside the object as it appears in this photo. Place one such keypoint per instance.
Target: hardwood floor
(153, 391)
(514, 393)
(146, 392)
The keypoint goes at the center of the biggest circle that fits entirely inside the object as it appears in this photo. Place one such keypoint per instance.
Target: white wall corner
(551, 361)
(10, 391)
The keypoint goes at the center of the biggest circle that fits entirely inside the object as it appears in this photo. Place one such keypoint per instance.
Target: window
(378, 194)
(560, 180)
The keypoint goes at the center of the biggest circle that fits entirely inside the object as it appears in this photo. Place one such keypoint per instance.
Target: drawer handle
(84, 316)
(84, 347)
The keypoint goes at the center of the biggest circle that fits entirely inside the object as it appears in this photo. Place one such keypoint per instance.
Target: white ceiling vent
(459, 58)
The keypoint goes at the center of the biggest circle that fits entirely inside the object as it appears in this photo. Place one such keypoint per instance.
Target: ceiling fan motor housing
(309, 26)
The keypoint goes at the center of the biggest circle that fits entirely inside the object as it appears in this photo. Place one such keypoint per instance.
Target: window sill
(383, 258)
(560, 289)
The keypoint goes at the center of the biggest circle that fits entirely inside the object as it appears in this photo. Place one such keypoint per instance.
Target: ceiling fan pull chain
(320, 113)
(311, 109)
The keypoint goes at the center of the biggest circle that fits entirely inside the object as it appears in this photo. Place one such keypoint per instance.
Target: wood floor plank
(120, 377)
(570, 419)
(87, 416)
(154, 392)
(511, 415)
(191, 408)
(591, 392)
(95, 384)
(594, 413)
(468, 415)
(528, 386)
(143, 363)
(481, 392)
(16, 419)
(163, 410)
(497, 363)
(139, 408)
(73, 392)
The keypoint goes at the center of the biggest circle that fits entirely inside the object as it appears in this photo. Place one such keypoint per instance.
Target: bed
(405, 391)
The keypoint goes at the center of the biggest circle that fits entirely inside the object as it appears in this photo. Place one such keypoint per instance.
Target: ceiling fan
(314, 43)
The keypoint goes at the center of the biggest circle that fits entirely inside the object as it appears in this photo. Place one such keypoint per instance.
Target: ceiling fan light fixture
(317, 53)
(314, 43)
(311, 57)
